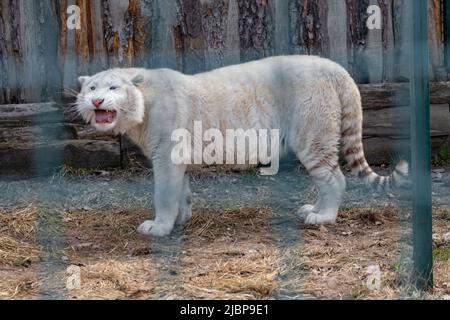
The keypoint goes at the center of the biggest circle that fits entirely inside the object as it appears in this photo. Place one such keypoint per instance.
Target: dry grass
(98, 235)
(227, 254)
(18, 246)
(114, 259)
(19, 253)
(116, 279)
(18, 284)
(116, 262)
(233, 275)
(442, 278)
(441, 231)
(223, 260)
(231, 224)
(336, 258)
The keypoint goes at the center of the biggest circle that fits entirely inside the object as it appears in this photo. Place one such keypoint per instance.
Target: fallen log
(44, 159)
(29, 114)
(37, 113)
(391, 95)
(394, 122)
(28, 130)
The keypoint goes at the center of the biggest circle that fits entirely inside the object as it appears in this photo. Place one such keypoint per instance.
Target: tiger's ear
(82, 80)
(137, 80)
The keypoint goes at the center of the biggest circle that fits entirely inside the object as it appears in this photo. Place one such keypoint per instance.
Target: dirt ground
(245, 244)
(219, 258)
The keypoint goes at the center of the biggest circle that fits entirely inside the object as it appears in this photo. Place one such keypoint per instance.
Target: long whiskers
(118, 107)
(73, 111)
(69, 92)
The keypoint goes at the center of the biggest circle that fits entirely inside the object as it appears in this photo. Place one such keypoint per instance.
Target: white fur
(311, 100)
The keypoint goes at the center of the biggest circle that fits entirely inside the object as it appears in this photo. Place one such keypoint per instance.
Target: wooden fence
(42, 54)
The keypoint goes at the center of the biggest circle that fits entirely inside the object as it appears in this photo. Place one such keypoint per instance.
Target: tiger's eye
(92, 88)
(113, 88)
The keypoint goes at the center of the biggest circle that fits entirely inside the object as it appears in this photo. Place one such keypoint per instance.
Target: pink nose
(97, 102)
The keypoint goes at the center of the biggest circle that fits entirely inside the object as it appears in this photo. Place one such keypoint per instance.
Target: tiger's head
(111, 100)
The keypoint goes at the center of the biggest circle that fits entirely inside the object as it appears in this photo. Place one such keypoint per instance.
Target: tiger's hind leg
(315, 135)
(331, 185)
(321, 161)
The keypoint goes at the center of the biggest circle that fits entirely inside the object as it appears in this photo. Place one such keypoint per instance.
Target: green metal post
(421, 147)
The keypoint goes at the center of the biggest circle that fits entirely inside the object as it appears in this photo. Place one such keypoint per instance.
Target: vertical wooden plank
(14, 59)
(358, 31)
(191, 35)
(67, 52)
(310, 24)
(210, 34)
(280, 12)
(374, 50)
(32, 67)
(15, 50)
(370, 46)
(436, 41)
(337, 32)
(446, 18)
(49, 31)
(113, 33)
(84, 38)
(401, 14)
(388, 39)
(214, 24)
(4, 57)
(99, 54)
(297, 29)
(232, 42)
(126, 28)
(114, 12)
(141, 13)
(166, 36)
(135, 41)
(316, 23)
(28, 32)
(255, 29)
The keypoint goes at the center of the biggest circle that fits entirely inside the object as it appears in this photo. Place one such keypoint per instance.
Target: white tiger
(313, 102)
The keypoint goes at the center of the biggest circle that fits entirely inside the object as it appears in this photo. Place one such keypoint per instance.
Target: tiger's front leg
(168, 179)
(185, 209)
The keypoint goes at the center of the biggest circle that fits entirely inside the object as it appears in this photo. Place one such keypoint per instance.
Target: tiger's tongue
(104, 116)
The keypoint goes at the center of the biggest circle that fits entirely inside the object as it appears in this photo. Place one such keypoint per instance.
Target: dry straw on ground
(18, 253)
(224, 254)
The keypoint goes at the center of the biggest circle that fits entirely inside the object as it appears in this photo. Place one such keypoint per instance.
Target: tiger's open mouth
(103, 116)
